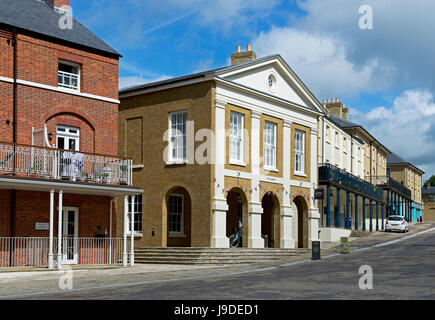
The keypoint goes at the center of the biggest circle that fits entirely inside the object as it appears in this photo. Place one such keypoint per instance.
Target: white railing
(33, 252)
(68, 80)
(55, 164)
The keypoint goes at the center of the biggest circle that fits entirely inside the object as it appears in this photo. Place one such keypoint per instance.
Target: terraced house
(256, 172)
(59, 169)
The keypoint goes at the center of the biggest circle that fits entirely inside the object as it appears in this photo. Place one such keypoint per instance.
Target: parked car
(396, 223)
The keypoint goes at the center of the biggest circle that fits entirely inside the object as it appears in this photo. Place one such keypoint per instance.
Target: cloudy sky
(385, 75)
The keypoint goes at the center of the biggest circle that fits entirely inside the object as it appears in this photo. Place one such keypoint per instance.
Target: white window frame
(78, 75)
(181, 232)
(173, 138)
(136, 232)
(300, 152)
(240, 136)
(269, 147)
(67, 135)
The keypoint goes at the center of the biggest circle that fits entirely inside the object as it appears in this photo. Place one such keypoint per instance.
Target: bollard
(344, 244)
(315, 250)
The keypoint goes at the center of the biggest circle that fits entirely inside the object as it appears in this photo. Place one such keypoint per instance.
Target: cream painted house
(261, 163)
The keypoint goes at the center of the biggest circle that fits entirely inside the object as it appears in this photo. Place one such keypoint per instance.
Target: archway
(179, 213)
(302, 221)
(270, 222)
(237, 214)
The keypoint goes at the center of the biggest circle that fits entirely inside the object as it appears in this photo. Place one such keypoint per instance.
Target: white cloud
(321, 60)
(406, 127)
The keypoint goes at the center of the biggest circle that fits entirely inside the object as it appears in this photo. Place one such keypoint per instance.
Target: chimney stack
(59, 3)
(241, 57)
(336, 108)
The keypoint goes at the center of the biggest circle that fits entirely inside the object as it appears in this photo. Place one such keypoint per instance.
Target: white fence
(55, 164)
(33, 252)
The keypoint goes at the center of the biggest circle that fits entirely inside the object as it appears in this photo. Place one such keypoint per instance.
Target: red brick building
(58, 139)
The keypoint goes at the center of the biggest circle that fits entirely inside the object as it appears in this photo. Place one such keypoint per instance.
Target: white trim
(74, 65)
(240, 161)
(61, 90)
(182, 160)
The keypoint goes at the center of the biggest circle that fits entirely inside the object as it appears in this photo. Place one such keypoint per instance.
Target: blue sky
(384, 75)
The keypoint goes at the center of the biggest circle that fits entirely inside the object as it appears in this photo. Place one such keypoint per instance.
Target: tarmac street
(382, 266)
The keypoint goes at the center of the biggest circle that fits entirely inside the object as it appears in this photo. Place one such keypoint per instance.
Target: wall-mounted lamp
(8, 122)
(50, 136)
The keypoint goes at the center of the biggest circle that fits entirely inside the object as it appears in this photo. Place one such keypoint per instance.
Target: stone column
(220, 206)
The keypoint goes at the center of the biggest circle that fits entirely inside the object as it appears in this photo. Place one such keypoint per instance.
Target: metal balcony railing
(68, 80)
(328, 172)
(386, 181)
(56, 164)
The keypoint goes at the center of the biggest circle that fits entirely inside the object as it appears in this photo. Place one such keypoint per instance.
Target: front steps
(360, 234)
(212, 256)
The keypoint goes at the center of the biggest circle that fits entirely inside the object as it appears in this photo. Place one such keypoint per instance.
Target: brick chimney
(241, 57)
(336, 108)
(58, 3)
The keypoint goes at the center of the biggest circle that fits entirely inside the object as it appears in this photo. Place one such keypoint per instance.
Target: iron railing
(328, 172)
(386, 181)
(56, 164)
(33, 252)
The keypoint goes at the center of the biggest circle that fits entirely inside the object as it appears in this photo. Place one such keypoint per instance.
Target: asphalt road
(402, 270)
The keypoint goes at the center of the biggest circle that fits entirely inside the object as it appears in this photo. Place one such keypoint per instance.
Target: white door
(70, 234)
(71, 164)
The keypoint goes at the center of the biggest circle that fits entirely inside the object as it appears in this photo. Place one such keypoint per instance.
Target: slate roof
(203, 74)
(396, 159)
(39, 17)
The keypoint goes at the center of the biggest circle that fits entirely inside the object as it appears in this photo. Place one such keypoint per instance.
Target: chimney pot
(249, 47)
(238, 49)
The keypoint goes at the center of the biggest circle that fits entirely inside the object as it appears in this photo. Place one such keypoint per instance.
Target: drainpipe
(14, 140)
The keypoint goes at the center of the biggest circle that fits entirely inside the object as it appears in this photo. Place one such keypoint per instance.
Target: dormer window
(69, 75)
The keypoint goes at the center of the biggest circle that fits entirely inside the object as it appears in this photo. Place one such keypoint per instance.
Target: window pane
(236, 136)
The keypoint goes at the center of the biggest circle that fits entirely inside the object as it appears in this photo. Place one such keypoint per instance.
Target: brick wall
(32, 207)
(38, 62)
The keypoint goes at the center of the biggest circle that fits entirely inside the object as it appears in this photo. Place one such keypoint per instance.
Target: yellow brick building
(222, 149)
(410, 177)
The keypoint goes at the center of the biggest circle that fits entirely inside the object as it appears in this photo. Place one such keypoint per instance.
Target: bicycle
(236, 238)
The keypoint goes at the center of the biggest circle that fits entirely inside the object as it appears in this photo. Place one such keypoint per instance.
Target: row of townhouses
(89, 173)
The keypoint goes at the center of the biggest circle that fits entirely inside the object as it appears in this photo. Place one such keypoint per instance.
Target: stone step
(359, 234)
(212, 256)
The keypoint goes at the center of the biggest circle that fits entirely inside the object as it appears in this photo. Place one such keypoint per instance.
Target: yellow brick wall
(157, 178)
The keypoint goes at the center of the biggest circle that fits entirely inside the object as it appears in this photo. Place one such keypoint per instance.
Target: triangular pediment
(274, 77)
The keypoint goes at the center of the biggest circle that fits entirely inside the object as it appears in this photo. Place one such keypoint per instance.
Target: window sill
(176, 162)
(176, 235)
(136, 235)
(271, 169)
(138, 166)
(300, 174)
(238, 163)
(68, 89)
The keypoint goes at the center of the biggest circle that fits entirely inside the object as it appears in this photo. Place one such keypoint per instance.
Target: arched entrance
(302, 221)
(178, 210)
(270, 222)
(237, 215)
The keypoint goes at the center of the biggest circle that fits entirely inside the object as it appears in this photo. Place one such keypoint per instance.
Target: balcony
(388, 182)
(26, 161)
(330, 173)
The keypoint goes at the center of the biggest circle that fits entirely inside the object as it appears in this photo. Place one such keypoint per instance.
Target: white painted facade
(340, 149)
(288, 99)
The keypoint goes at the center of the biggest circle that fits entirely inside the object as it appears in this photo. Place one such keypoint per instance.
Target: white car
(396, 223)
